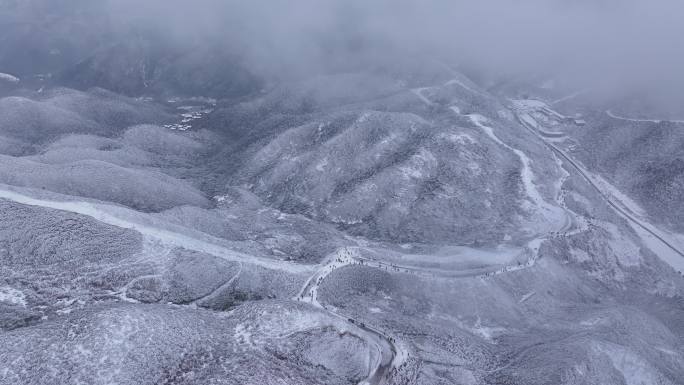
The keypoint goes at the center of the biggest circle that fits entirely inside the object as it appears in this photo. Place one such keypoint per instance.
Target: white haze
(627, 43)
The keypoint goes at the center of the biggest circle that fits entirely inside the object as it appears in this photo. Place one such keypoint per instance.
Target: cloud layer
(631, 42)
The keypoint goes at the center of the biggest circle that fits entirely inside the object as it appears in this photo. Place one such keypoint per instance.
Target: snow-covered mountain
(175, 215)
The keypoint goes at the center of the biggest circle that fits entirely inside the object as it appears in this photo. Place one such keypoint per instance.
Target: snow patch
(242, 334)
(568, 97)
(463, 85)
(527, 296)
(526, 118)
(529, 104)
(634, 369)
(419, 93)
(12, 295)
(660, 249)
(9, 78)
(364, 117)
(612, 191)
(625, 250)
(321, 165)
(636, 215)
(152, 230)
(462, 139)
(486, 332)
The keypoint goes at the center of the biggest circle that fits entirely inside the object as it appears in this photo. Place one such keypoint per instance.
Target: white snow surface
(419, 93)
(626, 207)
(639, 215)
(153, 229)
(12, 295)
(9, 78)
(551, 215)
(634, 369)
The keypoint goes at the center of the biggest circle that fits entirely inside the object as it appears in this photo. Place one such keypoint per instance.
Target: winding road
(618, 206)
(152, 229)
(656, 121)
(390, 355)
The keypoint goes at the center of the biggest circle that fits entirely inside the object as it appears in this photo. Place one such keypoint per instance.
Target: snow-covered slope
(352, 228)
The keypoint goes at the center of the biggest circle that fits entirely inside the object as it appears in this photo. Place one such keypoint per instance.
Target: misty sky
(629, 38)
(627, 42)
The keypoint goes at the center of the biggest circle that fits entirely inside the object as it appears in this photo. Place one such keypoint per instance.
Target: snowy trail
(656, 121)
(122, 293)
(464, 86)
(459, 79)
(569, 97)
(391, 354)
(419, 93)
(131, 219)
(219, 289)
(658, 241)
(453, 82)
(396, 262)
(648, 233)
(554, 214)
(560, 215)
(112, 215)
(309, 292)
